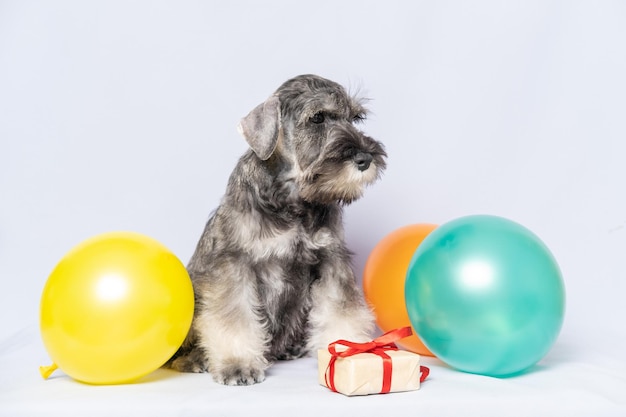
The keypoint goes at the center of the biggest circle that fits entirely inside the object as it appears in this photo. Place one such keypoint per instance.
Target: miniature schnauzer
(271, 273)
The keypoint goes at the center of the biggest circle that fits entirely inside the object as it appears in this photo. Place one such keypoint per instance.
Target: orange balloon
(383, 281)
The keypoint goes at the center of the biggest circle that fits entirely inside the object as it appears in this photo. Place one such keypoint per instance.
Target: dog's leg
(339, 310)
(229, 328)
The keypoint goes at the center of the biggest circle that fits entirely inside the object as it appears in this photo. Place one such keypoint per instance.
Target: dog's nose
(363, 160)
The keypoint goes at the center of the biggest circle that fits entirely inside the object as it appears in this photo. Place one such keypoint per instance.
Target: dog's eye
(358, 118)
(318, 118)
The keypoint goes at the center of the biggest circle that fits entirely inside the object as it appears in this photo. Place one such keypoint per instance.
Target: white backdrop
(121, 115)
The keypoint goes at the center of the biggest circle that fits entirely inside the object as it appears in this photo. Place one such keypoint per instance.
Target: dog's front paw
(238, 375)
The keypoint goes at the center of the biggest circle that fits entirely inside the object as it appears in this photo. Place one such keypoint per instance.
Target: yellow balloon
(115, 308)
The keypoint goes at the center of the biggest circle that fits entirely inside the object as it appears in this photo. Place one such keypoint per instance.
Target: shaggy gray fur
(271, 273)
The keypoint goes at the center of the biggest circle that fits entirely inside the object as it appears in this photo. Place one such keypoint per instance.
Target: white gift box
(363, 373)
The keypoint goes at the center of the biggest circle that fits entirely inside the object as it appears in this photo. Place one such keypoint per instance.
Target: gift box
(370, 368)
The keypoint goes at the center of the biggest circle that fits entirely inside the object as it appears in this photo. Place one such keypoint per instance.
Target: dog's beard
(340, 183)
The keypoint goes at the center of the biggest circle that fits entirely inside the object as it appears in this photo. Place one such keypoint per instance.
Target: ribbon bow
(378, 347)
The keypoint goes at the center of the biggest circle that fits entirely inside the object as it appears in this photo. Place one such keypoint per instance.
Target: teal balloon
(485, 295)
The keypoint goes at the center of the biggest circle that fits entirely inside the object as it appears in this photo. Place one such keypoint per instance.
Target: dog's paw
(192, 362)
(238, 375)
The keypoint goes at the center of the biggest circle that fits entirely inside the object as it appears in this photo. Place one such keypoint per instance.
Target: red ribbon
(377, 346)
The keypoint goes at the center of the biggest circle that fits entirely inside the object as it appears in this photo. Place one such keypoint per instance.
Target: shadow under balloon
(559, 355)
(159, 375)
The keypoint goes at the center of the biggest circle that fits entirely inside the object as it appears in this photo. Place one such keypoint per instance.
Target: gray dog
(271, 272)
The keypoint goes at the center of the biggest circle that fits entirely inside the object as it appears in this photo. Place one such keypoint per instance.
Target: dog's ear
(261, 127)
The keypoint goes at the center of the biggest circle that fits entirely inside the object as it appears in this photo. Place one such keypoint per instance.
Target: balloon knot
(46, 371)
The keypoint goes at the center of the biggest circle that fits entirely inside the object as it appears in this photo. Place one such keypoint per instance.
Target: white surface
(122, 115)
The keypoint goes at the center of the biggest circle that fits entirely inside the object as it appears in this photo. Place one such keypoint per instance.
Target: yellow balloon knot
(46, 371)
